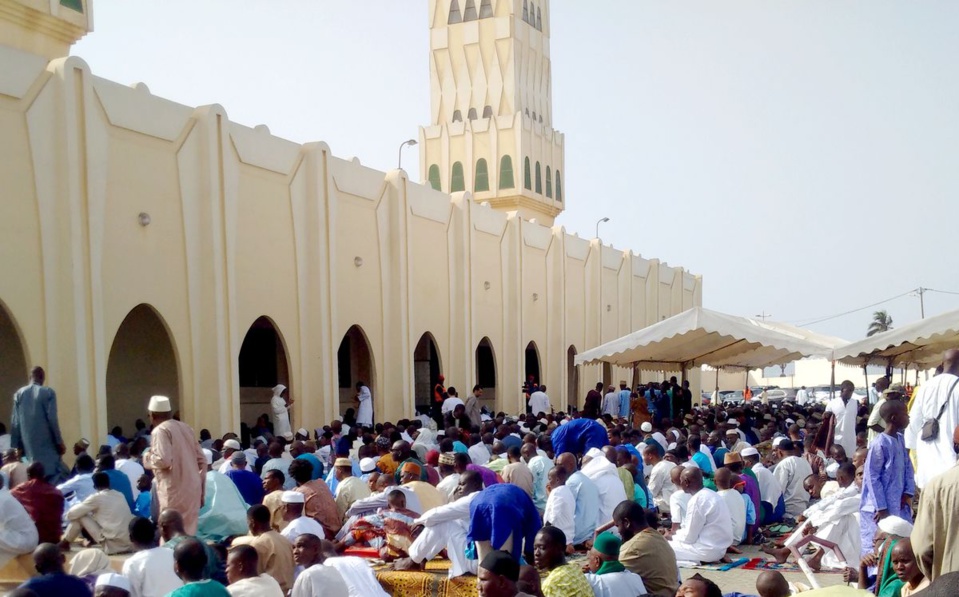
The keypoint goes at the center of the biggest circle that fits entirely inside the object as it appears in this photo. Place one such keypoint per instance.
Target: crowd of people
(609, 501)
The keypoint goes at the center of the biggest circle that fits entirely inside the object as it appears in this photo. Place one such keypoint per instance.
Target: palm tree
(881, 322)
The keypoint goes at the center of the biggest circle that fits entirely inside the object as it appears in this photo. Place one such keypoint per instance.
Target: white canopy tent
(918, 344)
(699, 336)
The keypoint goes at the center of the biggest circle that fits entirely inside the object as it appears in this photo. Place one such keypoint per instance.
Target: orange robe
(179, 470)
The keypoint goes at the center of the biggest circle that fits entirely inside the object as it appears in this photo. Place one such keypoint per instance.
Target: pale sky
(803, 157)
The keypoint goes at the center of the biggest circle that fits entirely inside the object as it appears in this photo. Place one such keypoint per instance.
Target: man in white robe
(660, 484)
(604, 475)
(445, 527)
(18, 533)
(560, 510)
(791, 471)
(356, 573)
(845, 408)
(706, 533)
(281, 412)
(364, 411)
(936, 398)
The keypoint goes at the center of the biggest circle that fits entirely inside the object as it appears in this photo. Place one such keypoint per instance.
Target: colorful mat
(433, 582)
(764, 564)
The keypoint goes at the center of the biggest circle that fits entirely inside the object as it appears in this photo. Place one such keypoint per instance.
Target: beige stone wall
(243, 225)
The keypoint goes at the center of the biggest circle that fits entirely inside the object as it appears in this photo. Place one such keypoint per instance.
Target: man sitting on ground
(498, 576)
(297, 522)
(607, 575)
(242, 570)
(190, 563)
(316, 580)
(706, 532)
(43, 502)
(104, 518)
(149, 570)
(53, 580)
(644, 551)
(275, 552)
(563, 579)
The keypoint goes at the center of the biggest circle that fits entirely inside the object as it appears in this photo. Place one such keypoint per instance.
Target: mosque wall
(128, 220)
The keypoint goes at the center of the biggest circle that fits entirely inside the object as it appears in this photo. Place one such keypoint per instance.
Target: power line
(844, 313)
(942, 291)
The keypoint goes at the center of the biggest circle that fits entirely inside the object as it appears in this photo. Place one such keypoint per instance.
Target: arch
(457, 116)
(539, 19)
(486, 370)
(471, 115)
(506, 172)
(455, 15)
(142, 362)
(539, 179)
(434, 177)
(486, 9)
(354, 363)
(427, 365)
(261, 364)
(526, 10)
(469, 11)
(487, 111)
(457, 182)
(481, 182)
(13, 365)
(532, 363)
(527, 177)
(549, 183)
(572, 377)
(559, 187)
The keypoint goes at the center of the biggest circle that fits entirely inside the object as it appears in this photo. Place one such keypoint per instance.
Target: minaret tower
(44, 27)
(491, 130)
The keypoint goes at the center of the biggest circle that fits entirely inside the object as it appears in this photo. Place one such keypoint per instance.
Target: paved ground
(744, 581)
(739, 580)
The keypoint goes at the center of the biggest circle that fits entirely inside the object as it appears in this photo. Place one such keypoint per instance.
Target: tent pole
(866, 375)
(832, 382)
(717, 380)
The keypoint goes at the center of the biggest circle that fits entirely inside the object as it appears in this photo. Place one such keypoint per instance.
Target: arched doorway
(572, 378)
(486, 373)
(426, 368)
(142, 363)
(354, 363)
(13, 364)
(532, 363)
(262, 364)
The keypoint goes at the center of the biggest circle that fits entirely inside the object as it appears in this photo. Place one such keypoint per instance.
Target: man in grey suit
(35, 430)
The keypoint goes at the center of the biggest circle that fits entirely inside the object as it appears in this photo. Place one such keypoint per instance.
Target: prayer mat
(764, 564)
(433, 582)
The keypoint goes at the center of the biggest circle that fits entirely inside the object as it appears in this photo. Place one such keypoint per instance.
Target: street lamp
(411, 143)
(601, 221)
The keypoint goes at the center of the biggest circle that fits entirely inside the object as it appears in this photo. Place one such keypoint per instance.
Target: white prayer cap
(646, 427)
(750, 452)
(778, 441)
(293, 497)
(675, 433)
(288, 436)
(564, 421)
(893, 525)
(209, 455)
(367, 465)
(232, 444)
(159, 404)
(832, 469)
(302, 431)
(671, 446)
(790, 422)
(111, 579)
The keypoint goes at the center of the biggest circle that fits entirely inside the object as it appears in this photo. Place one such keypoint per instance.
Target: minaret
(491, 129)
(44, 27)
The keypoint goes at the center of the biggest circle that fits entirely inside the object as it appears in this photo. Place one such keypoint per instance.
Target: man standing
(34, 428)
(936, 400)
(364, 408)
(611, 402)
(624, 393)
(539, 402)
(473, 409)
(844, 411)
(706, 533)
(178, 465)
(802, 396)
(935, 537)
(593, 400)
(436, 405)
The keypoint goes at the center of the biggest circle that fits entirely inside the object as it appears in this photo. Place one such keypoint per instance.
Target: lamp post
(399, 161)
(598, 222)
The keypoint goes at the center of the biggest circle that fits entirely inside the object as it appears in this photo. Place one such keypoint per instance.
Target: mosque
(151, 247)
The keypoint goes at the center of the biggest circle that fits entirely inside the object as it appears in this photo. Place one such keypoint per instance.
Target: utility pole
(764, 315)
(922, 305)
